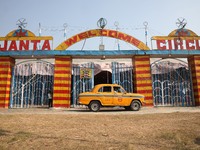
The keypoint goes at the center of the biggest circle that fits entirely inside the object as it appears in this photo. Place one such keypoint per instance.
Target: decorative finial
(21, 23)
(101, 23)
(181, 23)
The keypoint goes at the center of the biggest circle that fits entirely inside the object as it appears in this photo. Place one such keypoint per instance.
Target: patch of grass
(20, 136)
(167, 136)
(197, 141)
(177, 141)
(2, 148)
(3, 132)
(23, 134)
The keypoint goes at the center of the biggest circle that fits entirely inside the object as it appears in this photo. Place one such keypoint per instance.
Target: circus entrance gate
(84, 77)
(31, 82)
(172, 83)
(123, 75)
(82, 80)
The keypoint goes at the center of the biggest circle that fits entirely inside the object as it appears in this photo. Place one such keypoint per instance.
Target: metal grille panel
(31, 81)
(122, 75)
(172, 83)
(83, 80)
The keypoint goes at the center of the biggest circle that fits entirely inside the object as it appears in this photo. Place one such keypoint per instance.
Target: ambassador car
(108, 95)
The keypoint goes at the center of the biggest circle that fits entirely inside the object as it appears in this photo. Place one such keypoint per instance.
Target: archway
(103, 77)
(102, 32)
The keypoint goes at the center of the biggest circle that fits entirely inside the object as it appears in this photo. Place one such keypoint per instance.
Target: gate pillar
(62, 81)
(194, 63)
(6, 64)
(142, 78)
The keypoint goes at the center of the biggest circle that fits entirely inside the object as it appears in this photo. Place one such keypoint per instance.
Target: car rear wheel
(135, 105)
(94, 106)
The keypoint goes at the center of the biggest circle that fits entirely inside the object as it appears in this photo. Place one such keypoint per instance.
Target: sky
(82, 15)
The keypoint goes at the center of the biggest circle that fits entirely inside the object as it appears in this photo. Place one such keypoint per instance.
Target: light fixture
(103, 57)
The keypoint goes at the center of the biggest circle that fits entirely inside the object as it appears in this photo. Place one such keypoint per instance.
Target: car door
(106, 95)
(118, 96)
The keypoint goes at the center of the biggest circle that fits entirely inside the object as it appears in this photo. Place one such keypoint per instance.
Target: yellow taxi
(107, 95)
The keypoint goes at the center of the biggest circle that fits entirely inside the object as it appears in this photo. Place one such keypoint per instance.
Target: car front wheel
(135, 105)
(94, 106)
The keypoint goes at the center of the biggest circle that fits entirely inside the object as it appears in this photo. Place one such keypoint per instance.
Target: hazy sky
(82, 15)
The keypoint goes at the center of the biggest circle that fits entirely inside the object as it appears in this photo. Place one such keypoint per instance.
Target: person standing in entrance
(50, 99)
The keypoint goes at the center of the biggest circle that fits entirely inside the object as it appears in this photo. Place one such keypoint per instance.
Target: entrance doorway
(31, 82)
(103, 77)
(85, 76)
(172, 83)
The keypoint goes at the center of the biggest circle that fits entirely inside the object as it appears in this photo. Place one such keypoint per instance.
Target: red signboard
(180, 39)
(22, 39)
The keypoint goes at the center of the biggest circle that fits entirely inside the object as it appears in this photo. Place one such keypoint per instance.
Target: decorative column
(194, 63)
(62, 81)
(6, 64)
(142, 78)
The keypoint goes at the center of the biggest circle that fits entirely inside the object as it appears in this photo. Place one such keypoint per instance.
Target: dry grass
(179, 131)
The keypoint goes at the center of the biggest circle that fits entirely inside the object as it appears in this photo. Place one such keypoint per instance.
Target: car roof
(96, 88)
(100, 85)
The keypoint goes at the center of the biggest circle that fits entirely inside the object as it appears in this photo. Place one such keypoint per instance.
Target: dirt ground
(107, 130)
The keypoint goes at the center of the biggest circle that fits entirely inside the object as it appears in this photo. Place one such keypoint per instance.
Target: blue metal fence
(31, 81)
(172, 83)
(123, 75)
(83, 80)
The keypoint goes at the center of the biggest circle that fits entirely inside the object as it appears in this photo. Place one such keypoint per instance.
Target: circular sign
(101, 23)
(65, 25)
(145, 23)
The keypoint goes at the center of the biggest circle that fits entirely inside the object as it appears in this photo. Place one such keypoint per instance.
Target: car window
(105, 89)
(118, 89)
